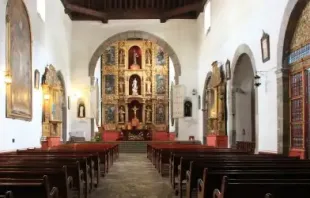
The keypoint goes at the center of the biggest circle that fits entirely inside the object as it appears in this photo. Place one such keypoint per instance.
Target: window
(41, 8)
(207, 17)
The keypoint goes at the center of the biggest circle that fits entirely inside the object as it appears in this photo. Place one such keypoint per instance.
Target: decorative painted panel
(110, 112)
(160, 84)
(109, 84)
(110, 56)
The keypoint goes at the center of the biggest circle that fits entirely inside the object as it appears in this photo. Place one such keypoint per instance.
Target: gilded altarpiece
(216, 102)
(52, 103)
(135, 86)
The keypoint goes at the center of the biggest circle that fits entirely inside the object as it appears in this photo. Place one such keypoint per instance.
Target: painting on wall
(109, 84)
(160, 114)
(19, 63)
(110, 56)
(160, 57)
(110, 114)
(160, 84)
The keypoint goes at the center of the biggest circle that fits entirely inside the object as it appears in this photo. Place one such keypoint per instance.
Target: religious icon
(135, 87)
(160, 116)
(109, 84)
(160, 57)
(135, 109)
(81, 110)
(110, 55)
(188, 109)
(160, 84)
(148, 56)
(121, 114)
(110, 114)
(135, 56)
(148, 114)
(121, 56)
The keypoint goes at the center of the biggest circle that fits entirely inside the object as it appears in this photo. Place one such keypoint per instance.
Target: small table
(136, 135)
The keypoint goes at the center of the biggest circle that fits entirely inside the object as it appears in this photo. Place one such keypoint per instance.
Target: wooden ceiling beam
(86, 11)
(182, 10)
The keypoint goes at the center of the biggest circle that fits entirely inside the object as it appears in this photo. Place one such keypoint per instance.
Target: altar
(136, 135)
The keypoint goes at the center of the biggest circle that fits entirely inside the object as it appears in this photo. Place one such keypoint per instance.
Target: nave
(132, 175)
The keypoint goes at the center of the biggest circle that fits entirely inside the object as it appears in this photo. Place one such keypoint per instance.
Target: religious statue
(148, 86)
(135, 87)
(135, 109)
(148, 56)
(121, 87)
(121, 56)
(81, 110)
(135, 56)
(148, 114)
(121, 114)
(188, 109)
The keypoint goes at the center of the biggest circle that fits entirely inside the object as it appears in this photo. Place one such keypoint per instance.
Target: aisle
(133, 175)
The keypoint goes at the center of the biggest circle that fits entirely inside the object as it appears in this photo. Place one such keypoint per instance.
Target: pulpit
(217, 109)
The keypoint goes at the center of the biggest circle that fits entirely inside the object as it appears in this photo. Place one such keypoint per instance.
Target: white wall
(51, 44)
(87, 36)
(242, 22)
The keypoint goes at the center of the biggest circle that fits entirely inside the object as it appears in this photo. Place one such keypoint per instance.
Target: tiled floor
(133, 175)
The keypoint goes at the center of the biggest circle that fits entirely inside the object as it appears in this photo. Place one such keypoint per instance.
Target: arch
(291, 15)
(204, 107)
(133, 35)
(242, 52)
(64, 106)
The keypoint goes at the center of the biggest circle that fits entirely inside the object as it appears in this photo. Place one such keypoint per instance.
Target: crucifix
(135, 109)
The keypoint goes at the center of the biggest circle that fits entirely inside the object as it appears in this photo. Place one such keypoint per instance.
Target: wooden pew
(214, 178)
(257, 188)
(28, 188)
(56, 177)
(7, 194)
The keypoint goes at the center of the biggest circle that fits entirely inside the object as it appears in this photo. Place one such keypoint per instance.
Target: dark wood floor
(133, 175)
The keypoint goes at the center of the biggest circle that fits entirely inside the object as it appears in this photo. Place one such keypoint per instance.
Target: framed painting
(36, 79)
(110, 56)
(110, 111)
(160, 84)
(19, 62)
(109, 81)
(160, 57)
(265, 47)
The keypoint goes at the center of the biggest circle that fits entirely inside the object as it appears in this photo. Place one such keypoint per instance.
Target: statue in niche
(148, 114)
(121, 114)
(188, 109)
(121, 55)
(148, 56)
(135, 87)
(135, 56)
(121, 86)
(81, 110)
(148, 86)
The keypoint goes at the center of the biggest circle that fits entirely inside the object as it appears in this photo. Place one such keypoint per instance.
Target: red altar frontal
(219, 141)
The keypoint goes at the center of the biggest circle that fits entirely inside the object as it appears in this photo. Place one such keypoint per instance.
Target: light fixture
(257, 80)
(7, 78)
(194, 92)
(46, 96)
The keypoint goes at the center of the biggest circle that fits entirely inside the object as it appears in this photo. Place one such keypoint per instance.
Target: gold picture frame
(18, 61)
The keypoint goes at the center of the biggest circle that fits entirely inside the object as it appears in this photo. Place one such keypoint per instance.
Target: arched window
(207, 17)
(41, 9)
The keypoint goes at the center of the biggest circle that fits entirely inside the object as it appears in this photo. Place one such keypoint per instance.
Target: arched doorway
(242, 98)
(293, 80)
(140, 35)
(205, 108)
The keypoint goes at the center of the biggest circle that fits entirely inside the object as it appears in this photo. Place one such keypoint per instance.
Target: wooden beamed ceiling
(105, 10)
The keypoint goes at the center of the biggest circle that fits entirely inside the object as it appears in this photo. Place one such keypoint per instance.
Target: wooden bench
(7, 194)
(28, 187)
(258, 188)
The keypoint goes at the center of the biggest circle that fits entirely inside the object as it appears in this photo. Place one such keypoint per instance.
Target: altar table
(137, 135)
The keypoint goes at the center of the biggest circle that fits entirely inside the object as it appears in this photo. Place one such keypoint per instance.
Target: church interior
(150, 98)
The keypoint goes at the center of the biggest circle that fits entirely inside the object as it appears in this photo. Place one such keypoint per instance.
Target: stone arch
(64, 106)
(291, 15)
(242, 52)
(205, 107)
(131, 35)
